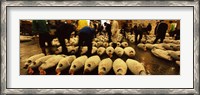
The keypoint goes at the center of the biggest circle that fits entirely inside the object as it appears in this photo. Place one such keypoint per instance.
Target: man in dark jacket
(64, 32)
(108, 30)
(138, 30)
(161, 31)
(41, 27)
(86, 35)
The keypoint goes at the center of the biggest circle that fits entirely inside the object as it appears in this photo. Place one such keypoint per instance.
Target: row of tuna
(99, 41)
(151, 38)
(170, 51)
(74, 64)
(25, 38)
(119, 51)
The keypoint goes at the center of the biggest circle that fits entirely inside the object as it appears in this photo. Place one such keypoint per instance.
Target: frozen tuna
(119, 51)
(64, 63)
(129, 51)
(51, 62)
(91, 63)
(178, 62)
(175, 55)
(84, 50)
(37, 63)
(149, 46)
(101, 51)
(110, 51)
(124, 44)
(105, 66)
(32, 59)
(119, 67)
(77, 64)
(135, 67)
(94, 50)
(161, 54)
(142, 46)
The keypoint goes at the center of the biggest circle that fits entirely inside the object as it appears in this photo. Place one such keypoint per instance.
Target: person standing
(108, 30)
(86, 35)
(177, 31)
(172, 29)
(64, 32)
(138, 30)
(115, 32)
(161, 31)
(41, 27)
(146, 30)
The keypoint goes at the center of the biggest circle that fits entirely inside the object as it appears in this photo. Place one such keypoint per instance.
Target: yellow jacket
(81, 24)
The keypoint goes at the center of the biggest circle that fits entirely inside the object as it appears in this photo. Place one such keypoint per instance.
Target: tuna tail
(58, 71)
(71, 72)
(42, 72)
(142, 72)
(30, 71)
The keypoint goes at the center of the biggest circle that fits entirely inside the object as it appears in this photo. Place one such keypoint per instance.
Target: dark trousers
(109, 36)
(157, 38)
(136, 37)
(45, 37)
(61, 39)
(85, 40)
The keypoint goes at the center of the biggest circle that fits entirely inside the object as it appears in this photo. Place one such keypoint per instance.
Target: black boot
(65, 51)
(44, 51)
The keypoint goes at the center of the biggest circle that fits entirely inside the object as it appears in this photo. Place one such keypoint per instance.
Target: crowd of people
(86, 32)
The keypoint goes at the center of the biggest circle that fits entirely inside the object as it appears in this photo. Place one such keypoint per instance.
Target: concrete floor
(156, 66)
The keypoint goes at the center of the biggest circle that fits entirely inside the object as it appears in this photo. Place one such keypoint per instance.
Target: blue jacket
(87, 30)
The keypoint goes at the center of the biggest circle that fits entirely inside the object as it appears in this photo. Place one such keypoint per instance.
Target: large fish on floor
(51, 62)
(101, 51)
(149, 46)
(84, 50)
(119, 67)
(124, 44)
(175, 55)
(178, 62)
(161, 54)
(91, 63)
(110, 51)
(130, 52)
(94, 50)
(105, 66)
(37, 63)
(142, 46)
(64, 63)
(77, 64)
(32, 59)
(119, 51)
(72, 49)
(167, 46)
(135, 67)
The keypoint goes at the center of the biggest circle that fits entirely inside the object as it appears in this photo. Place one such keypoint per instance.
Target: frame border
(5, 4)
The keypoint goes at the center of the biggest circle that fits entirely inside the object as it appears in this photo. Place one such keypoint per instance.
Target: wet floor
(156, 66)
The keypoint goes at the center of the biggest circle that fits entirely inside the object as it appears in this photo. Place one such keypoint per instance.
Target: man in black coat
(161, 31)
(86, 35)
(64, 32)
(108, 30)
(138, 30)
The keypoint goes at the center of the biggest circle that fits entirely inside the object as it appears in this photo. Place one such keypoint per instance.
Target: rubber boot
(44, 51)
